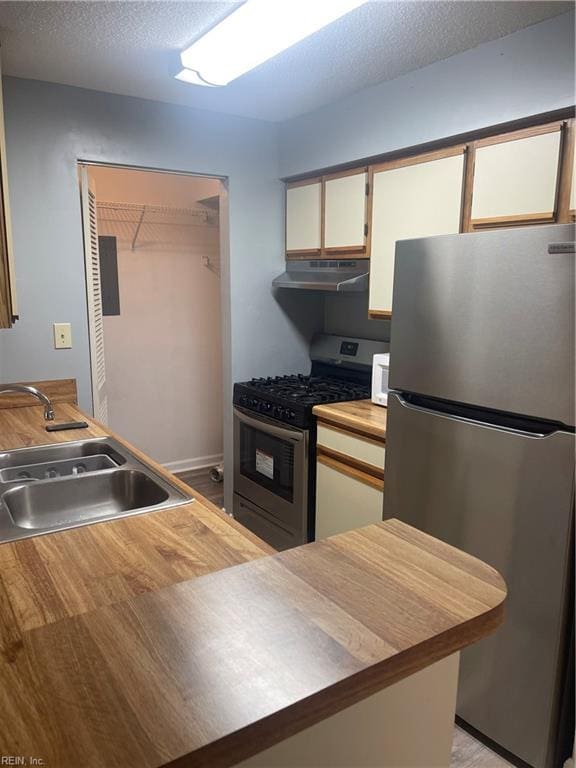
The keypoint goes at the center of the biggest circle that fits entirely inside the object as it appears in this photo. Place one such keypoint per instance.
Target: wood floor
(199, 479)
(467, 752)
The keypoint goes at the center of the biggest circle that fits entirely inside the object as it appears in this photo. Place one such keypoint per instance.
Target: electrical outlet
(62, 336)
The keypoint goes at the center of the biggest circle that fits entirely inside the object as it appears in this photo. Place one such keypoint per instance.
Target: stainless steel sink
(55, 487)
(46, 454)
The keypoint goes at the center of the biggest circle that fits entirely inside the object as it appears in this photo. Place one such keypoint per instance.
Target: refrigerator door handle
(469, 420)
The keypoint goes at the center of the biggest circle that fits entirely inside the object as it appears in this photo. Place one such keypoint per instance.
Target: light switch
(62, 336)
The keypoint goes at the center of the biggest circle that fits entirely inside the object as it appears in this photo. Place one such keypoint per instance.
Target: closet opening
(153, 285)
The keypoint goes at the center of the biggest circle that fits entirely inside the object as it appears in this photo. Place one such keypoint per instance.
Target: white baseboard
(187, 465)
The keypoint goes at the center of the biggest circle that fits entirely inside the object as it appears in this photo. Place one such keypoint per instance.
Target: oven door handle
(266, 426)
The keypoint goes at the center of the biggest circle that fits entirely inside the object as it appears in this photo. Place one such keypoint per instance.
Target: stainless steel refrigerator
(480, 453)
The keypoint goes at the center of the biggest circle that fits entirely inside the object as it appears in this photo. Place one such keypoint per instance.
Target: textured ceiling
(132, 48)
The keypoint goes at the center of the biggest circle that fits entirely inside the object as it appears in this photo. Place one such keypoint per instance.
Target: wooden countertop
(360, 416)
(63, 574)
(133, 644)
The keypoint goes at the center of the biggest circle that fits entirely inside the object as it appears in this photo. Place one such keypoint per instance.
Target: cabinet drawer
(362, 449)
(343, 502)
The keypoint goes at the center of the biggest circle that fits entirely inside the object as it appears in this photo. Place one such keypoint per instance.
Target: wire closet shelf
(138, 223)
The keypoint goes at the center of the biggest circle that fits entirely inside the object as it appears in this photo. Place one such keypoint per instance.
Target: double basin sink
(55, 487)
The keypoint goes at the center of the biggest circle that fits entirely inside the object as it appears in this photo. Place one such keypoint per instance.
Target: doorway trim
(225, 294)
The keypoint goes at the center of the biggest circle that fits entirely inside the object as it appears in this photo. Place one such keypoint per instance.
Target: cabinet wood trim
(351, 431)
(369, 207)
(521, 220)
(322, 214)
(428, 157)
(565, 173)
(524, 133)
(8, 308)
(343, 249)
(357, 470)
(343, 174)
(468, 191)
(379, 314)
(5, 292)
(303, 253)
(304, 182)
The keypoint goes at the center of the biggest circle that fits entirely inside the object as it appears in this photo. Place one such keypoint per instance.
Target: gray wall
(50, 127)
(525, 73)
(346, 314)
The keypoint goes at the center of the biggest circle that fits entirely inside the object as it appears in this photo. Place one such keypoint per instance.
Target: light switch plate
(62, 336)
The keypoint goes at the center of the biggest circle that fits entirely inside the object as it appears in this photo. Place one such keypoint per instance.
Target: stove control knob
(291, 415)
(266, 406)
(243, 400)
(254, 402)
(278, 411)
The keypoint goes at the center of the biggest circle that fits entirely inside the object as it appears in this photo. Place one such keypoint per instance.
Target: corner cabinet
(412, 197)
(8, 309)
(326, 216)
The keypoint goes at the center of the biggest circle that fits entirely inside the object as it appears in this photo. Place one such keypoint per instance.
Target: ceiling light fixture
(257, 31)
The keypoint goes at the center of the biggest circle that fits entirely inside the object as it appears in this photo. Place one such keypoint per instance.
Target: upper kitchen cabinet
(304, 218)
(516, 178)
(345, 203)
(567, 185)
(411, 197)
(8, 309)
(326, 217)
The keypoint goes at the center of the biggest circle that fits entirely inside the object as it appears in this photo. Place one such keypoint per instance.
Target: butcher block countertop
(360, 416)
(179, 638)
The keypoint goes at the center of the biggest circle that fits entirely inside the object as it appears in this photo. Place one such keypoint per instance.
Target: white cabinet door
(344, 502)
(513, 179)
(345, 211)
(416, 200)
(303, 216)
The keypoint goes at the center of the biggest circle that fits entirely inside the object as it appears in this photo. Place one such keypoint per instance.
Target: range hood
(325, 275)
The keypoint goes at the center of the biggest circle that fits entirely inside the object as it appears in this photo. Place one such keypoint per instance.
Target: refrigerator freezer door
(487, 319)
(507, 498)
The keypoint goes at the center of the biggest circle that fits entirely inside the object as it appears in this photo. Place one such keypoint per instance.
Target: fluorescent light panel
(257, 31)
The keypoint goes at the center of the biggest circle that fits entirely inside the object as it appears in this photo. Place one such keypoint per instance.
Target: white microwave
(380, 366)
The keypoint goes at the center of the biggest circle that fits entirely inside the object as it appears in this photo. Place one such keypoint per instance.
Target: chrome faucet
(24, 388)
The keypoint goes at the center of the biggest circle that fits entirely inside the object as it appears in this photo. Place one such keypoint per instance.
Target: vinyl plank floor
(468, 752)
(199, 479)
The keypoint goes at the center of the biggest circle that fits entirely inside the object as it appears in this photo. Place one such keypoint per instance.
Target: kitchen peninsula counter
(178, 638)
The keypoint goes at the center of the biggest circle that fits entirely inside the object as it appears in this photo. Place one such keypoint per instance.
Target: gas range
(275, 437)
(290, 399)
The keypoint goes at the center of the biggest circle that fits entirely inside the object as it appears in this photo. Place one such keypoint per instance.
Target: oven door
(271, 469)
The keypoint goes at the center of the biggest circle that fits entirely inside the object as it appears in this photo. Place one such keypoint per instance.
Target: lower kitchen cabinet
(346, 498)
(349, 478)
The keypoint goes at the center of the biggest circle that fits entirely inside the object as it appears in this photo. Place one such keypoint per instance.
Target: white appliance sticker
(265, 464)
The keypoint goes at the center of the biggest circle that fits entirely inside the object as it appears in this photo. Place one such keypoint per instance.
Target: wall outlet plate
(62, 336)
